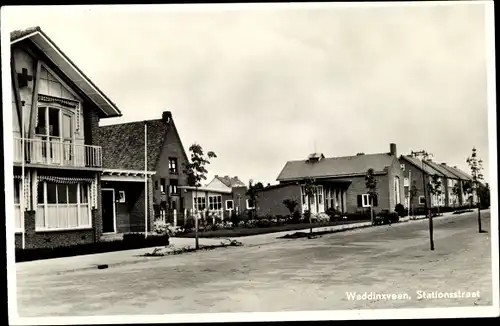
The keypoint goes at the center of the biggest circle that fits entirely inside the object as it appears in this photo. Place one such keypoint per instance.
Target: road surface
(380, 267)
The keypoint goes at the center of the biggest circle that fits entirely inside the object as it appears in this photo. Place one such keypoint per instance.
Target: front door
(108, 210)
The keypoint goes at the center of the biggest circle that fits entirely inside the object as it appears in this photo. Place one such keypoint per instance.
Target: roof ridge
(129, 123)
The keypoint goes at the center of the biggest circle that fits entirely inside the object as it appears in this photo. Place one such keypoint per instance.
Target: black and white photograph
(250, 162)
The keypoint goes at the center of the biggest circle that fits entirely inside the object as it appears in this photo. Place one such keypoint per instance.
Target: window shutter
(375, 200)
(360, 201)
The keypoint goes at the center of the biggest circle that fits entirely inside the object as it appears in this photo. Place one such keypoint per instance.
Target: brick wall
(270, 201)
(416, 178)
(172, 147)
(358, 187)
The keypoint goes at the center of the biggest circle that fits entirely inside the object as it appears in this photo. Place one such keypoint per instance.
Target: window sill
(83, 228)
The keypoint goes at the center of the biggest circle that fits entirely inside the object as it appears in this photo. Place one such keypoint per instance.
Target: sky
(263, 86)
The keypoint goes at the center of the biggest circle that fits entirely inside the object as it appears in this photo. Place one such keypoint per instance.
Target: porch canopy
(125, 175)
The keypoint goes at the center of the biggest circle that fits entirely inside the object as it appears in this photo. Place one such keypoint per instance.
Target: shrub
(322, 218)
(400, 210)
(386, 217)
(332, 212)
(235, 218)
(296, 217)
(306, 215)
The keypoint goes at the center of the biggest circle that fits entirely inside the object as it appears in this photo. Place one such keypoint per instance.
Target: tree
(425, 156)
(371, 185)
(484, 195)
(253, 193)
(467, 190)
(310, 192)
(457, 192)
(290, 204)
(413, 191)
(196, 172)
(434, 187)
(476, 166)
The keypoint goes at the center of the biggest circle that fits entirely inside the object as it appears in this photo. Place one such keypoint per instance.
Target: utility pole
(425, 156)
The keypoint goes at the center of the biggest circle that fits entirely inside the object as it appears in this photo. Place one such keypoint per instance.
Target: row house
(418, 173)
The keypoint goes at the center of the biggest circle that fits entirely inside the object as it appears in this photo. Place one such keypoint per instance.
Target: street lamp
(425, 156)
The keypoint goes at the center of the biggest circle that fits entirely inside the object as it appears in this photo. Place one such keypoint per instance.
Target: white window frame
(232, 202)
(214, 201)
(406, 182)
(402, 166)
(365, 200)
(199, 202)
(248, 207)
(45, 204)
(420, 200)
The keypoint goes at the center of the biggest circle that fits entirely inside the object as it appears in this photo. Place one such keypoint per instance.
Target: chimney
(360, 154)
(166, 116)
(444, 164)
(455, 167)
(393, 149)
(216, 176)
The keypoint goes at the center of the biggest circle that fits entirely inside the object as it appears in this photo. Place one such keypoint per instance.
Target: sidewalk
(86, 262)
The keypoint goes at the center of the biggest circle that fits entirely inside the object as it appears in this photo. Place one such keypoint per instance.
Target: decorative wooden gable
(53, 89)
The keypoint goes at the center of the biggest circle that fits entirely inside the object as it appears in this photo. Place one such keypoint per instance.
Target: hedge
(130, 241)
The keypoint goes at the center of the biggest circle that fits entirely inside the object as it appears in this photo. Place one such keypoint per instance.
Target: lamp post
(425, 155)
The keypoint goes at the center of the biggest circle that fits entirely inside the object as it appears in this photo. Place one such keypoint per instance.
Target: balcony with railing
(55, 151)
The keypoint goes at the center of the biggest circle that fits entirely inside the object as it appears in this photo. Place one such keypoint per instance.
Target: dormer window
(315, 157)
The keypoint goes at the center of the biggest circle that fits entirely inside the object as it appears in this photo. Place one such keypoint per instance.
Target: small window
(366, 200)
(421, 200)
(403, 167)
(250, 204)
(406, 182)
(162, 184)
(229, 205)
(172, 165)
(173, 190)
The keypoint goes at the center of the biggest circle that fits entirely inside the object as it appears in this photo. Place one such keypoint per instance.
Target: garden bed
(129, 242)
(317, 234)
(243, 231)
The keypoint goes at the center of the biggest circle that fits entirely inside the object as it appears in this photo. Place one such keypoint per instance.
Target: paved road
(300, 274)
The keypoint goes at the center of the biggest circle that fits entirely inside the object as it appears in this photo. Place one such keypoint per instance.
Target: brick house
(56, 110)
(222, 197)
(414, 171)
(124, 177)
(340, 183)
(461, 178)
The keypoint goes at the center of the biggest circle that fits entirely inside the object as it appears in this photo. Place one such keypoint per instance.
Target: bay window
(63, 206)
